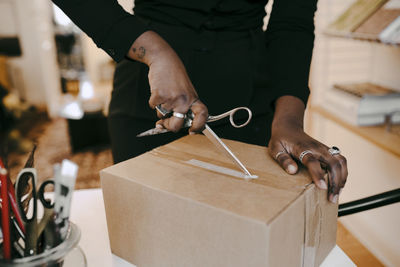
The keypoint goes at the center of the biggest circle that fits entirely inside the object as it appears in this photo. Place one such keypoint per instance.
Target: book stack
(377, 20)
(363, 104)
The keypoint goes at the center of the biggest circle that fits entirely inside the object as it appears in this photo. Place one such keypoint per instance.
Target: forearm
(289, 113)
(106, 22)
(289, 40)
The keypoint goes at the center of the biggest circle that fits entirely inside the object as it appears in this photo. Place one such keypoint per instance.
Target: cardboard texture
(164, 211)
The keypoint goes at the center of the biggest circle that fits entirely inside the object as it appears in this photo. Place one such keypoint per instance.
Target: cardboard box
(163, 210)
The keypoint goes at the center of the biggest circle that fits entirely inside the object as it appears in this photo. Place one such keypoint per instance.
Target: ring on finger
(334, 150)
(179, 115)
(302, 155)
(279, 154)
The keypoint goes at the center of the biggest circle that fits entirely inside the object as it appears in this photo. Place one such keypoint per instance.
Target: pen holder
(66, 254)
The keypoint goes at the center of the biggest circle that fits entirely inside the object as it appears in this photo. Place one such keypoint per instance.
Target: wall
(36, 72)
(8, 25)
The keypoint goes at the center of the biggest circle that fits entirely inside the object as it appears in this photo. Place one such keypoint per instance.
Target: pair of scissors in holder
(25, 188)
(208, 132)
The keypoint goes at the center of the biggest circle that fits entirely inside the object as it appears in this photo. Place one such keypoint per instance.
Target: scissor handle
(30, 172)
(40, 194)
(231, 113)
(189, 116)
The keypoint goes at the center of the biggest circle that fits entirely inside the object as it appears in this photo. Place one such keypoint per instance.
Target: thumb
(283, 158)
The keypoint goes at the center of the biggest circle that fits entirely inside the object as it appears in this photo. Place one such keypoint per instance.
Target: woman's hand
(288, 141)
(169, 83)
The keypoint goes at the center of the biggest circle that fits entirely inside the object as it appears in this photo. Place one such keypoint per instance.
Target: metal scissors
(25, 188)
(208, 132)
(188, 119)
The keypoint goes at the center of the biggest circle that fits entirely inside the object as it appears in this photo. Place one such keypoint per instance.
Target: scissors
(25, 187)
(208, 132)
(188, 119)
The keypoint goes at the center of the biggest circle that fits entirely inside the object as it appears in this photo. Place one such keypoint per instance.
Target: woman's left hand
(288, 141)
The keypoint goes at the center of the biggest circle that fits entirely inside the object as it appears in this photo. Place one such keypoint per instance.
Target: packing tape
(312, 226)
(215, 168)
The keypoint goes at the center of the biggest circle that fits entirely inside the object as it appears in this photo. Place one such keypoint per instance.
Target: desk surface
(88, 213)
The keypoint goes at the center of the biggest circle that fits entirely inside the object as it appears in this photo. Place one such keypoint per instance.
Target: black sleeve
(106, 22)
(290, 41)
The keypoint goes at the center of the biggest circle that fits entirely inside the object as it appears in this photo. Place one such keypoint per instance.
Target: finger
(155, 99)
(345, 173)
(278, 152)
(173, 123)
(335, 177)
(316, 172)
(200, 113)
(160, 124)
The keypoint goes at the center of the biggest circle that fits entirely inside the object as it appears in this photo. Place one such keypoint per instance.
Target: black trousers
(228, 69)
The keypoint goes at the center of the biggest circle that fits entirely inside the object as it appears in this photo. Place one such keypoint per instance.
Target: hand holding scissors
(208, 132)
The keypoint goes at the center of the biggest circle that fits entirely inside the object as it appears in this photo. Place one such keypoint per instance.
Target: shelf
(358, 36)
(387, 140)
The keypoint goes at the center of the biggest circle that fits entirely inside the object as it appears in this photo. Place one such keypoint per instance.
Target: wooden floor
(354, 249)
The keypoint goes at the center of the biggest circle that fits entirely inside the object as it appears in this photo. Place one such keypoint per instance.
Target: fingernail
(334, 199)
(192, 133)
(322, 184)
(291, 169)
(159, 126)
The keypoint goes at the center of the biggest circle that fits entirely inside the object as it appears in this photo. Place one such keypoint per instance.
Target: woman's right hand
(169, 83)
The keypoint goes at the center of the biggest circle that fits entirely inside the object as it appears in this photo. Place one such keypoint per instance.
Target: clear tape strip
(223, 170)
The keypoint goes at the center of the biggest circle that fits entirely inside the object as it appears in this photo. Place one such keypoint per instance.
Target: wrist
(149, 47)
(290, 124)
(289, 114)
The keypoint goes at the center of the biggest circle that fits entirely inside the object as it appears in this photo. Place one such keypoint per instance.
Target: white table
(87, 211)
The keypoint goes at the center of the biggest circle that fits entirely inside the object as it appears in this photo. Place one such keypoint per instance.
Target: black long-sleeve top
(289, 35)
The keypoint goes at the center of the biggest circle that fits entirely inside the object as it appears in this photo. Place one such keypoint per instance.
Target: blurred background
(55, 85)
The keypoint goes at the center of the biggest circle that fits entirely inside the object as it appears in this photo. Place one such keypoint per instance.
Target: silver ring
(179, 115)
(279, 153)
(334, 150)
(302, 154)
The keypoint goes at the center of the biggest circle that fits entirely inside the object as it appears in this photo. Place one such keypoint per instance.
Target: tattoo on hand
(141, 52)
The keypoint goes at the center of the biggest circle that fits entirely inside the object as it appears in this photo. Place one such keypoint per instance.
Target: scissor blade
(213, 137)
(153, 131)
